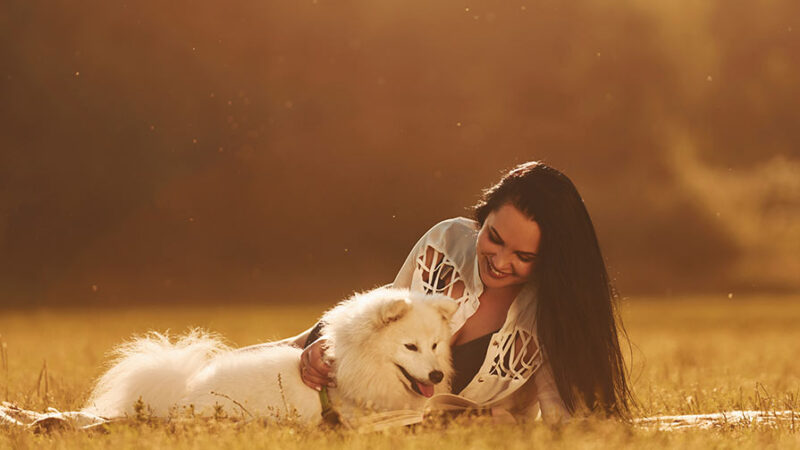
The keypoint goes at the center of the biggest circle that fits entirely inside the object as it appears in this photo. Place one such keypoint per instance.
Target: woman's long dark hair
(576, 312)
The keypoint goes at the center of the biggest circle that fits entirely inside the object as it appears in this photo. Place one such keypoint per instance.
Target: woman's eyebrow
(497, 235)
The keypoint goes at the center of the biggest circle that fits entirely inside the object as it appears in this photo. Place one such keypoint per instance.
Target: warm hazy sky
(273, 151)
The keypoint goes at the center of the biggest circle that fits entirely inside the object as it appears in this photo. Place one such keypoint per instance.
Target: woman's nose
(501, 261)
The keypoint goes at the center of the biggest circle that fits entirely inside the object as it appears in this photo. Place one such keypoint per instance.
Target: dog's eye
(412, 347)
(434, 346)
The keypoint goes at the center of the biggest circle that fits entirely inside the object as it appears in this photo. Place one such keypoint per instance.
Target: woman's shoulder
(451, 243)
(452, 239)
(452, 229)
(455, 240)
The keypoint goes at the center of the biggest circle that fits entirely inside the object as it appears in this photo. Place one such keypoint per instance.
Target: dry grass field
(689, 355)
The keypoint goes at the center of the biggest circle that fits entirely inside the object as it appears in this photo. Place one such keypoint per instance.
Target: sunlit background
(277, 151)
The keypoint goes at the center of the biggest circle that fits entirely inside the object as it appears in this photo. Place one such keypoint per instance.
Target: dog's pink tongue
(426, 389)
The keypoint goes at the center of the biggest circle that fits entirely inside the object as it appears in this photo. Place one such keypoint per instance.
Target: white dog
(391, 351)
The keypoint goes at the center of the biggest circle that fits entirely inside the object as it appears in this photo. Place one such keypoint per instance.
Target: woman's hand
(313, 369)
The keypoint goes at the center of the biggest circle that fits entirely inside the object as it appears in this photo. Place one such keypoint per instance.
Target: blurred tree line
(280, 151)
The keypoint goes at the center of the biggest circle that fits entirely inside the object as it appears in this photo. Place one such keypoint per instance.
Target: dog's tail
(148, 374)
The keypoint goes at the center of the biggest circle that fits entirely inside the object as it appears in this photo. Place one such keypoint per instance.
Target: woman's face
(507, 246)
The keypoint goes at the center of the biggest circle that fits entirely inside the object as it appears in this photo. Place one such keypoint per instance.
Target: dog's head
(392, 346)
(416, 338)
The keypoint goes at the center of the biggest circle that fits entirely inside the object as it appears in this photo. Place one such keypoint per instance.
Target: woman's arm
(313, 368)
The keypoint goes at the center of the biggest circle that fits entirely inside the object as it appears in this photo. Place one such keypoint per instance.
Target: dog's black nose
(436, 376)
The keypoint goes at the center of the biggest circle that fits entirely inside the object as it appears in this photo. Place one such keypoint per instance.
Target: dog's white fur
(369, 336)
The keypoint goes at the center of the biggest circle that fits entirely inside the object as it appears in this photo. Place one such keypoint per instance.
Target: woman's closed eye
(526, 257)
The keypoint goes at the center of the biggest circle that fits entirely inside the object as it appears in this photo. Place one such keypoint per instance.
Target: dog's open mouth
(419, 387)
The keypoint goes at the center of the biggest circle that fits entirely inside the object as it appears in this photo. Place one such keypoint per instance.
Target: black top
(467, 360)
(467, 357)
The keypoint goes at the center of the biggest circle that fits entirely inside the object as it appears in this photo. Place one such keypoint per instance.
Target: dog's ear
(393, 310)
(445, 305)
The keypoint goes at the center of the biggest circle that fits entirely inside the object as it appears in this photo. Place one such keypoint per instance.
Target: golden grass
(691, 355)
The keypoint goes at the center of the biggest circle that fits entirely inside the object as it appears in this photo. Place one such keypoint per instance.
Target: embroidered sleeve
(438, 274)
(428, 269)
(517, 355)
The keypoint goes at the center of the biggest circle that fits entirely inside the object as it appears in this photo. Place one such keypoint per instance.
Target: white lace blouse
(515, 374)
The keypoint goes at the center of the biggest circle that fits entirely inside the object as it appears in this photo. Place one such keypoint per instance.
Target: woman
(536, 323)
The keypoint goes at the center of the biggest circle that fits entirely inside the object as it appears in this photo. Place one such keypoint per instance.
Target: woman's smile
(494, 272)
